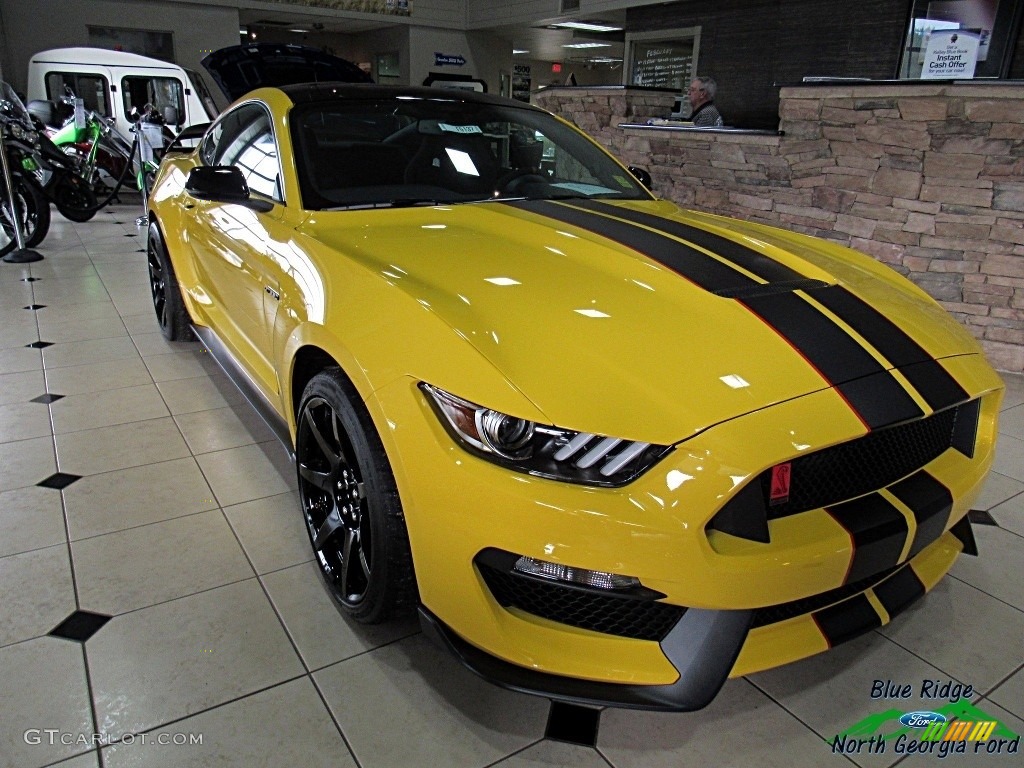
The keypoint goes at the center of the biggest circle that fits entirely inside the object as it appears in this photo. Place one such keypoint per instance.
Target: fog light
(581, 576)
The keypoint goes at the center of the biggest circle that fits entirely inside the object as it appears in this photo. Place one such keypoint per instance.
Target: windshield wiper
(399, 203)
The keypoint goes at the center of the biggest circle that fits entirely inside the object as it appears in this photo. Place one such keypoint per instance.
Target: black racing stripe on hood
(934, 383)
(749, 259)
(870, 390)
(699, 268)
(873, 393)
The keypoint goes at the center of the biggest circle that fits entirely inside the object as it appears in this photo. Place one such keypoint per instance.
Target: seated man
(702, 99)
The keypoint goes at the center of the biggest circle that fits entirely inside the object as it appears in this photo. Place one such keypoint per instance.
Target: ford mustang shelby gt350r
(612, 450)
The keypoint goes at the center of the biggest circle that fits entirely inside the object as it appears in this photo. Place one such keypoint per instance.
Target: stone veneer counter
(926, 177)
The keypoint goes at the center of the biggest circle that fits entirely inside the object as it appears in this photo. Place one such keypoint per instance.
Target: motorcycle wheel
(33, 213)
(74, 199)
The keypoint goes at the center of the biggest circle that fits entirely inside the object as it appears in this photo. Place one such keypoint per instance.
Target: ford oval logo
(921, 719)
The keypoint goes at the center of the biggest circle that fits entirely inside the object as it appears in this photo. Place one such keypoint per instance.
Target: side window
(245, 138)
(138, 91)
(92, 89)
(208, 150)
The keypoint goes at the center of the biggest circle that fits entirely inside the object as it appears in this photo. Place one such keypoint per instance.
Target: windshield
(12, 104)
(409, 151)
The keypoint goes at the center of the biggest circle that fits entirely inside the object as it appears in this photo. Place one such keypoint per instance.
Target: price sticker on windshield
(459, 128)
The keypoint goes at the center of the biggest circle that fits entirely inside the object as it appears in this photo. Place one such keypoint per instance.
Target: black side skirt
(246, 386)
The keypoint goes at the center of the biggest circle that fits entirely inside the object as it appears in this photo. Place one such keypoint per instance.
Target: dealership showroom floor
(143, 499)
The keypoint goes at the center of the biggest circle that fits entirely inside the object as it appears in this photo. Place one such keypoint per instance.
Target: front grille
(611, 614)
(773, 614)
(860, 466)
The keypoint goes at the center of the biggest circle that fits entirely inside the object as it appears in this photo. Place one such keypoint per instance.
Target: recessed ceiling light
(518, 51)
(587, 45)
(300, 31)
(588, 26)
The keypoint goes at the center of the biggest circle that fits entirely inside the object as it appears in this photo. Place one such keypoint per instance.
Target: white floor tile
(176, 659)
(446, 715)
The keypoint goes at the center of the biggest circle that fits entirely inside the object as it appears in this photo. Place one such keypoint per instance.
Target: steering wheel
(515, 180)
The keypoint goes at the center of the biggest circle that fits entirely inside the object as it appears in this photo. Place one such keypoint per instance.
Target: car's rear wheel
(352, 510)
(171, 312)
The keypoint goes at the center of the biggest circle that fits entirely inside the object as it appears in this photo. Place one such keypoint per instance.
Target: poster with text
(951, 55)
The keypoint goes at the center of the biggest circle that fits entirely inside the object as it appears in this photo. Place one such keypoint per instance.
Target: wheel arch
(308, 361)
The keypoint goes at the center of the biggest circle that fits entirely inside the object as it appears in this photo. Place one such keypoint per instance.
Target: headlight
(541, 450)
(21, 133)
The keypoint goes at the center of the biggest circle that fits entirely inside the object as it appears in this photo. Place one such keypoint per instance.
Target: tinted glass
(245, 138)
(406, 151)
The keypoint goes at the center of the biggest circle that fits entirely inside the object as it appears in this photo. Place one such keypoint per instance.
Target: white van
(113, 82)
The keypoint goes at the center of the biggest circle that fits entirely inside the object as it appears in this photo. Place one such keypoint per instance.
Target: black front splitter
(702, 646)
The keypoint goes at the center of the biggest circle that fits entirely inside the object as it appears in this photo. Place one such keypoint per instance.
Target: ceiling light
(587, 45)
(518, 51)
(300, 31)
(588, 26)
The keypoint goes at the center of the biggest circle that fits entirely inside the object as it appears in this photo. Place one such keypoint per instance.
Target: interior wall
(197, 29)
(751, 46)
(486, 55)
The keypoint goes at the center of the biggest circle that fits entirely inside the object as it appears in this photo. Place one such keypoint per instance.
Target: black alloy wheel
(350, 503)
(171, 313)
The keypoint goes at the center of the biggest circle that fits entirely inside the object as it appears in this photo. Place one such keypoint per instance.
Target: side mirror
(222, 184)
(170, 115)
(643, 176)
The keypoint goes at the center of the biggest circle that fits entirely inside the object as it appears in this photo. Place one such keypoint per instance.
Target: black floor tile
(46, 399)
(573, 724)
(58, 481)
(981, 517)
(80, 626)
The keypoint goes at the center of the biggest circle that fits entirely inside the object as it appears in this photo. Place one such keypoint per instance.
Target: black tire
(171, 313)
(33, 210)
(350, 503)
(74, 198)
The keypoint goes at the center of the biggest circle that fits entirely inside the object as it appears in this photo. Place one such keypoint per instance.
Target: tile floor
(180, 521)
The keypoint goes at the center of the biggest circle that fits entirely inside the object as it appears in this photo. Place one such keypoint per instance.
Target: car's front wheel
(350, 501)
(171, 312)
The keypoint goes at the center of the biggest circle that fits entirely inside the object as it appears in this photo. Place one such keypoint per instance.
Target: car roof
(304, 93)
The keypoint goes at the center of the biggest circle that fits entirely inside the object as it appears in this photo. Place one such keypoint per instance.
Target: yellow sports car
(612, 450)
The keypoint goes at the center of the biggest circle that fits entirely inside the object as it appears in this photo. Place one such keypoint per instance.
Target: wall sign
(447, 59)
(521, 82)
(662, 59)
(951, 55)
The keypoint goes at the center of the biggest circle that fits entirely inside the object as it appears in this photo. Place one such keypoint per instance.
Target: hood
(242, 68)
(646, 322)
